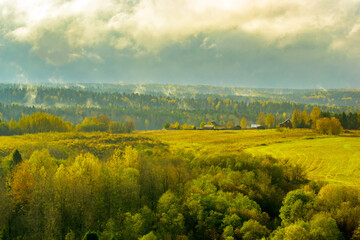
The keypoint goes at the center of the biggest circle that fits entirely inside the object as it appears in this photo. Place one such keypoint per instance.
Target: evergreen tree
(16, 157)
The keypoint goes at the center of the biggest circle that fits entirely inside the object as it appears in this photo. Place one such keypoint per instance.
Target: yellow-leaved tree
(243, 123)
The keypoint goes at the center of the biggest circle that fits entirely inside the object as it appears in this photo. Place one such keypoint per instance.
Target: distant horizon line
(171, 84)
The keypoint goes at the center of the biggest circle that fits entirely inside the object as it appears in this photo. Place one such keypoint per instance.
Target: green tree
(149, 236)
(323, 226)
(16, 157)
(298, 231)
(171, 220)
(166, 125)
(298, 205)
(4, 129)
(252, 230)
(116, 127)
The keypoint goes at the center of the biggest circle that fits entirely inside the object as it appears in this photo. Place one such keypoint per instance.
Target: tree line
(45, 122)
(321, 122)
(105, 93)
(148, 111)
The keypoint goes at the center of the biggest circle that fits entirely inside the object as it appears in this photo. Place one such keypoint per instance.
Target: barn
(211, 126)
(287, 124)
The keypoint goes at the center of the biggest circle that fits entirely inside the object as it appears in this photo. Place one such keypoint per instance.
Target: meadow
(334, 159)
(180, 184)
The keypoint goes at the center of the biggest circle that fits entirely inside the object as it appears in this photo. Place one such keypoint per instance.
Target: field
(334, 159)
(330, 158)
(180, 183)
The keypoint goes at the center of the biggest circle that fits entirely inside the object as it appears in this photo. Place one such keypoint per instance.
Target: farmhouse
(211, 126)
(286, 124)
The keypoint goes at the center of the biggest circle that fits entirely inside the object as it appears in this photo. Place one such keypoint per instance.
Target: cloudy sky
(243, 43)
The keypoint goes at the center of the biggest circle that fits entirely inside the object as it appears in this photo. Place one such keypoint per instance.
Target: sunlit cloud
(148, 25)
(203, 36)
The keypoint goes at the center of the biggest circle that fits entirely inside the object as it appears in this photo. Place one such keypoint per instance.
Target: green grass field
(330, 158)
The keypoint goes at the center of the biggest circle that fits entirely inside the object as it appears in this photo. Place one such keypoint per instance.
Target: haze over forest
(271, 43)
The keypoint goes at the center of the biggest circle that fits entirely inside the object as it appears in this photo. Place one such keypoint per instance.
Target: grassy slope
(335, 159)
(62, 145)
(330, 158)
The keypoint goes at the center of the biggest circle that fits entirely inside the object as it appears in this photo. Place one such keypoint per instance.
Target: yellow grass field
(330, 158)
(335, 159)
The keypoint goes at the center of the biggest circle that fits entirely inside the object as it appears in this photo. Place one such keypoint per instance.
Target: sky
(241, 43)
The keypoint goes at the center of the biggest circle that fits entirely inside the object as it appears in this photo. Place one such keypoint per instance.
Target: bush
(328, 126)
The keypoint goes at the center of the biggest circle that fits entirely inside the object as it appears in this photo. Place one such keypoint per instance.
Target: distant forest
(150, 108)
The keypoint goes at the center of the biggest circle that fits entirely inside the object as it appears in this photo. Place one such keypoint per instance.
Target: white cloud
(59, 30)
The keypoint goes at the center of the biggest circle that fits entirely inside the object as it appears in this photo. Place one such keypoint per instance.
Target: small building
(211, 126)
(255, 125)
(286, 124)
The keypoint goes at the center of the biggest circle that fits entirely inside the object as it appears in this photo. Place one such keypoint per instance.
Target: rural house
(287, 124)
(211, 126)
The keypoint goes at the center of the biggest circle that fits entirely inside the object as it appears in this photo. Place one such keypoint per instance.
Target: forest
(151, 110)
(154, 193)
(72, 165)
(44, 122)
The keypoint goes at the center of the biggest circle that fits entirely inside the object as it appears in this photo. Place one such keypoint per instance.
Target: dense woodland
(43, 122)
(148, 111)
(155, 194)
(329, 97)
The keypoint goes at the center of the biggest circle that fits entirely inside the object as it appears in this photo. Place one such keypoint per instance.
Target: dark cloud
(280, 43)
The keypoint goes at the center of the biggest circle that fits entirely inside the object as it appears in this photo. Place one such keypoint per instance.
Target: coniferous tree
(16, 157)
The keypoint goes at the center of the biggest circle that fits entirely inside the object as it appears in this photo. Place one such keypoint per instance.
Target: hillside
(150, 108)
(328, 158)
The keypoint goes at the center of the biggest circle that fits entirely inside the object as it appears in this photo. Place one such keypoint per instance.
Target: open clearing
(335, 159)
(330, 158)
